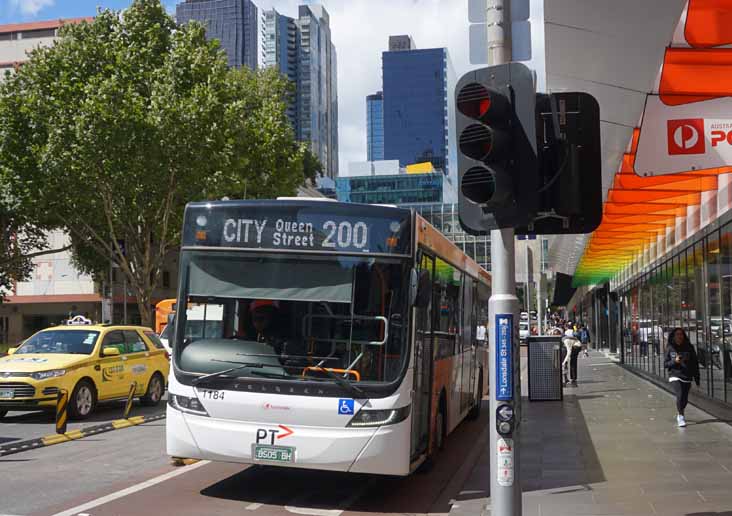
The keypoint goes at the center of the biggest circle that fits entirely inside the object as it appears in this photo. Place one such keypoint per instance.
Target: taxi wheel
(155, 390)
(83, 400)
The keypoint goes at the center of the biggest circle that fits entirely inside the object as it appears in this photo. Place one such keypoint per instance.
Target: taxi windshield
(72, 342)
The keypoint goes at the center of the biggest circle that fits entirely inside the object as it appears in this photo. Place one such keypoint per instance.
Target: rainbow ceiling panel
(639, 209)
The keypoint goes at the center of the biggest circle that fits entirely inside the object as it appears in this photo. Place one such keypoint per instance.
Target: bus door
(423, 345)
(467, 342)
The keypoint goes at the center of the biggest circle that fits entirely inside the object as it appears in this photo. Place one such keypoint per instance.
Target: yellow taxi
(92, 362)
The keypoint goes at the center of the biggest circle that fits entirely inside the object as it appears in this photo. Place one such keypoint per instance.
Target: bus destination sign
(298, 226)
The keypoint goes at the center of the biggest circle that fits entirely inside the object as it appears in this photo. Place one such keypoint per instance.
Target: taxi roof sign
(78, 320)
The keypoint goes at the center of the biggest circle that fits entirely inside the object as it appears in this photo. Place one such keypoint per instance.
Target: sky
(360, 31)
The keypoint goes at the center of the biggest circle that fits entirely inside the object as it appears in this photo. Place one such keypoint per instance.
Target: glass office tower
(233, 22)
(375, 127)
(416, 106)
(302, 50)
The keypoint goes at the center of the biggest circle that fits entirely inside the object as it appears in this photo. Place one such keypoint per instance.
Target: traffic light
(570, 163)
(497, 160)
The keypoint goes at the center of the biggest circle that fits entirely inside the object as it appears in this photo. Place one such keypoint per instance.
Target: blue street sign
(504, 364)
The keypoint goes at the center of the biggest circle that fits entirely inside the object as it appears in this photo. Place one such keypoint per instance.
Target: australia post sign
(676, 139)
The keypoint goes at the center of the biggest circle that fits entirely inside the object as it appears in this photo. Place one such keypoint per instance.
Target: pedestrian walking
(683, 367)
(573, 346)
(584, 337)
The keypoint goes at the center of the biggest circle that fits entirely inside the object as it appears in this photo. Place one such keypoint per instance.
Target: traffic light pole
(504, 370)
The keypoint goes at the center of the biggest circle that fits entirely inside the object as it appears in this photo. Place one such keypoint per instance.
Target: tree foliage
(113, 129)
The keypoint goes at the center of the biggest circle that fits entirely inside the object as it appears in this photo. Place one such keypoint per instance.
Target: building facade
(393, 189)
(416, 114)
(375, 127)
(235, 23)
(301, 49)
(17, 39)
(282, 51)
(445, 217)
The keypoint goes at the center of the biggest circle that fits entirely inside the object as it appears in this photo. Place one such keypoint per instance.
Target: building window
(40, 33)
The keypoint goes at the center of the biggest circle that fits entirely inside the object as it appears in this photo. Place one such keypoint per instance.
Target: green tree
(109, 132)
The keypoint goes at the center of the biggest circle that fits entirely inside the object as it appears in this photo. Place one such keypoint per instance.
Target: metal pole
(528, 283)
(504, 370)
(539, 304)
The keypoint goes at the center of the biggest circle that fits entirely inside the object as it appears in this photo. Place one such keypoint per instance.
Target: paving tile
(611, 448)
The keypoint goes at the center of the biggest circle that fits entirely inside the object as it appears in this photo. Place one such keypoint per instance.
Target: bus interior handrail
(309, 317)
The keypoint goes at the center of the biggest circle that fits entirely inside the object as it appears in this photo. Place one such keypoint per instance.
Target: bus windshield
(295, 318)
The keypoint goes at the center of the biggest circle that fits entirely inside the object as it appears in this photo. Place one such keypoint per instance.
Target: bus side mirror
(413, 285)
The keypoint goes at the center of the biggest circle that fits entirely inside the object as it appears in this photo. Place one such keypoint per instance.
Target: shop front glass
(691, 289)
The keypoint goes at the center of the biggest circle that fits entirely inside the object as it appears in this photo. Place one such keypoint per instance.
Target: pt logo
(265, 434)
(686, 136)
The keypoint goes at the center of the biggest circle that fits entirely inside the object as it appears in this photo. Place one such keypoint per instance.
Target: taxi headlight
(186, 404)
(53, 373)
(379, 417)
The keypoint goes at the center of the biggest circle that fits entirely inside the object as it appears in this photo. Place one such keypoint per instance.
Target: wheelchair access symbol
(345, 407)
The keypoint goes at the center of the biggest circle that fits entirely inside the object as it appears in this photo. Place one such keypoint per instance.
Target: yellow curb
(137, 420)
(74, 434)
(54, 439)
(121, 423)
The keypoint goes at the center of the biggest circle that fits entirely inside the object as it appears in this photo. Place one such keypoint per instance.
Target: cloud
(29, 7)
(360, 31)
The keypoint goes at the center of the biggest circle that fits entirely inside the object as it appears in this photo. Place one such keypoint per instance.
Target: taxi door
(113, 369)
(138, 362)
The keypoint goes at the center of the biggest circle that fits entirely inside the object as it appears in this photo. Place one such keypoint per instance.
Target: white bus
(348, 340)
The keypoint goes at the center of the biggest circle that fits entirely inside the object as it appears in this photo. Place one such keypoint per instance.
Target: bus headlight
(186, 404)
(367, 417)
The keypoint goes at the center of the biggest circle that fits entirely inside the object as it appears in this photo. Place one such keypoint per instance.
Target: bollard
(62, 405)
(128, 405)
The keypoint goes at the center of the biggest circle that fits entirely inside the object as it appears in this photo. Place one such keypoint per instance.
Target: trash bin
(545, 368)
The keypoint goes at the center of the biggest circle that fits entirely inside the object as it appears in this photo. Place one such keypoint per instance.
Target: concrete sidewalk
(612, 448)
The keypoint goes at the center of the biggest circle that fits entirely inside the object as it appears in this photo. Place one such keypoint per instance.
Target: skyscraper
(302, 50)
(235, 23)
(282, 50)
(415, 103)
(375, 127)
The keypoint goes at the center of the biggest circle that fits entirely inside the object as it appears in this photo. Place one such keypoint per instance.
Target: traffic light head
(570, 161)
(497, 165)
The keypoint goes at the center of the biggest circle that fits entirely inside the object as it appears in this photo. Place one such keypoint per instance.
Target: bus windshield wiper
(242, 365)
(355, 391)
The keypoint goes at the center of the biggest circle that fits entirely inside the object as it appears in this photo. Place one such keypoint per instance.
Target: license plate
(273, 453)
(6, 393)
